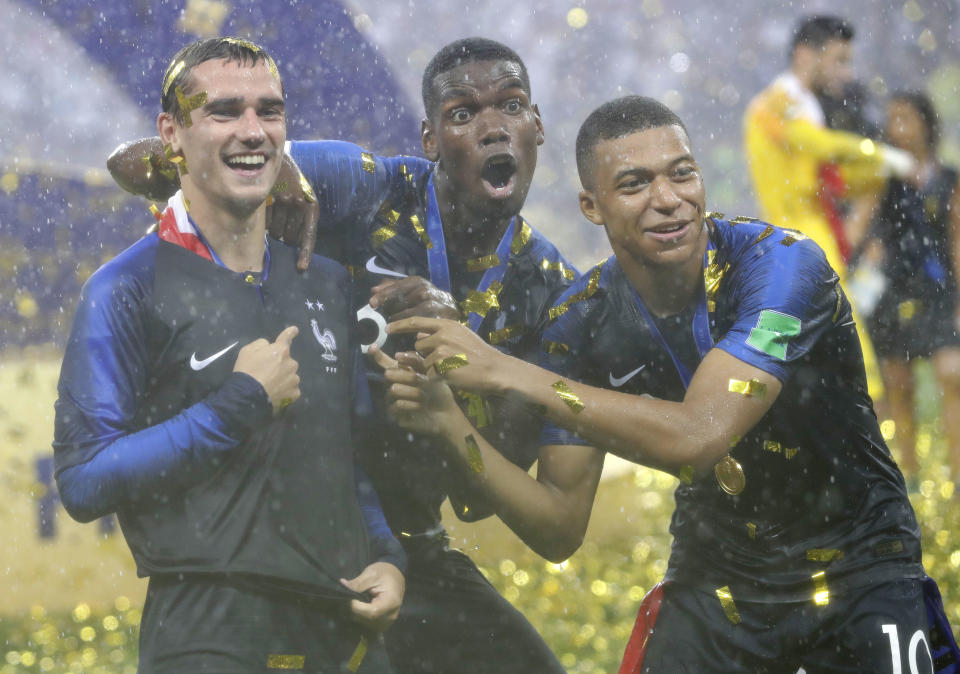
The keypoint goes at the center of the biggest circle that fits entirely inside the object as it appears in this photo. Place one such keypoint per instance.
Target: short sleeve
(784, 298)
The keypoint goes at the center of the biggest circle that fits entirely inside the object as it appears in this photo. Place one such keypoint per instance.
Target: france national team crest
(326, 340)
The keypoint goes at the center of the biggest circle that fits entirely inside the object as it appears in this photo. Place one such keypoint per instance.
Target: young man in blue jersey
(206, 398)
(723, 351)
(438, 237)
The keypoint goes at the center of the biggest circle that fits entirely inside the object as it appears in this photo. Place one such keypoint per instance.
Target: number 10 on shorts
(918, 638)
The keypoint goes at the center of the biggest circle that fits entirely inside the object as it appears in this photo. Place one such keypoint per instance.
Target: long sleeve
(103, 461)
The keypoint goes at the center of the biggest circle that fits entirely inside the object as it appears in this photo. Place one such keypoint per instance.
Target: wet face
(833, 67)
(233, 146)
(905, 128)
(484, 133)
(648, 193)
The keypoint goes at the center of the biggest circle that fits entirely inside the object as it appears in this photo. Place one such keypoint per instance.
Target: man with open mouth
(441, 237)
(794, 542)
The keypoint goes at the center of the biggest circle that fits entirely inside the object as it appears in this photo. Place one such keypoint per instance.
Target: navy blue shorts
(882, 629)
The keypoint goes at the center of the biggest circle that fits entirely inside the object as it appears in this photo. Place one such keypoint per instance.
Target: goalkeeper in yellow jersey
(792, 155)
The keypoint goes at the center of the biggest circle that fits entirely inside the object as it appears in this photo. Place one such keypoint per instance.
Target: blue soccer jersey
(824, 505)
(505, 298)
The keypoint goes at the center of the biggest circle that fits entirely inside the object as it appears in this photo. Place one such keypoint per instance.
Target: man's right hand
(292, 217)
(272, 366)
(413, 296)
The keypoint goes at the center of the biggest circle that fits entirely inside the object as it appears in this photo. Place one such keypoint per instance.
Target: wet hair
(616, 119)
(231, 49)
(465, 51)
(816, 31)
(920, 102)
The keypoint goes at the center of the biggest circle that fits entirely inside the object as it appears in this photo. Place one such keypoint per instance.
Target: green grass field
(584, 607)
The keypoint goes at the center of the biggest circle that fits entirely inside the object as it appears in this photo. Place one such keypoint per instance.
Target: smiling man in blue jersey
(723, 351)
(206, 397)
(440, 237)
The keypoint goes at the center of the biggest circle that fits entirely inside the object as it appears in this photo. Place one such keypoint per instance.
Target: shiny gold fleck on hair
(566, 394)
(172, 71)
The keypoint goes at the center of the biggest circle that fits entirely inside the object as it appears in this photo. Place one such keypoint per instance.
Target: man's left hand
(386, 585)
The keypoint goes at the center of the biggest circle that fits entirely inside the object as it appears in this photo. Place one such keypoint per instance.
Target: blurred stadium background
(79, 77)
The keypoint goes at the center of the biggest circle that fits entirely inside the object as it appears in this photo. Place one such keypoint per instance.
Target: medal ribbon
(440, 267)
(700, 327)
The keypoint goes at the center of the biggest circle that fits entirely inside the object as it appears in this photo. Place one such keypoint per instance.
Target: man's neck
(238, 240)
(804, 77)
(467, 234)
(665, 290)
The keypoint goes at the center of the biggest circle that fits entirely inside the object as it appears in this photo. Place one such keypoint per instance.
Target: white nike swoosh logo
(617, 382)
(200, 364)
(373, 267)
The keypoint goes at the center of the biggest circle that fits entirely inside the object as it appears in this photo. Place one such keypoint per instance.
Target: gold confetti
(277, 661)
(520, 237)
(180, 162)
(824, 555)
(788, 240)
(568, 396)
(714, 215)
(741, 219)
(172, 71)
(250, 278)
(474, 457)
(821, 594)
(279, 187)
(358, 655)
(592, 284)
(367, 162)
(389, 214)
(483, 263)
(555, 347)
(450, 363)
(482, 302)
(790, 452)
(752, 388)
(478, 409)
(189, 103)
(405, 173)
(772, 446)
(421, 231)
(156, 212)
(839, 306)
(685, 474)
(382, 235)
(502, 335)
(557, 266)
(751, 530)
(764, 234)
(729, 608)
(712, 275)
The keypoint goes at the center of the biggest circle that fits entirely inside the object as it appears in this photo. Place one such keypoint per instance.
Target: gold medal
(730, 475)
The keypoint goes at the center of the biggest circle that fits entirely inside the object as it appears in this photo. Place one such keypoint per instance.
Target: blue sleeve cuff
(242, 404)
